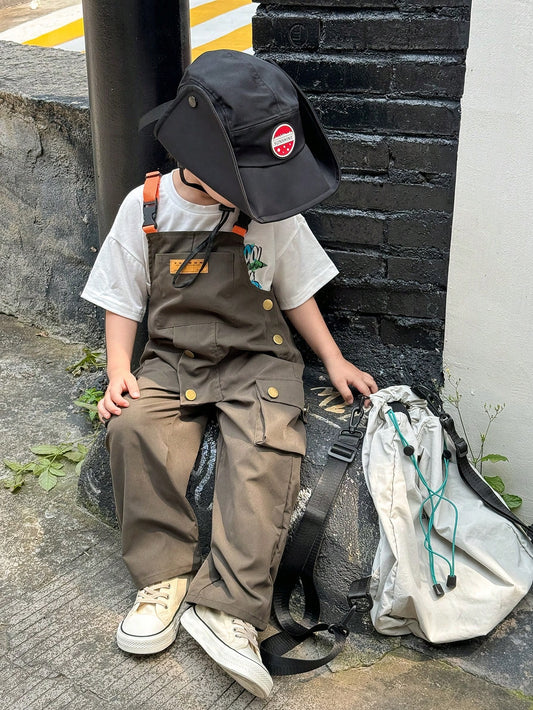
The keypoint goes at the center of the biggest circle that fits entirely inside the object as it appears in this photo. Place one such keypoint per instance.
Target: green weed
(477, 454)
(92, 360)
(88, 401)
(49, 465)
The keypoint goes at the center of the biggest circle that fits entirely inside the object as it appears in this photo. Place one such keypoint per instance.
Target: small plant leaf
(91, 360)
(47, 480)
(512, 501)
(494, 458)
(74, 456)
(62, 449)
(496, 483)
(14, 465)
(86, 405)
(39, 468)
(77, 455)
(45, 450)
(15, 484)
(88, 400)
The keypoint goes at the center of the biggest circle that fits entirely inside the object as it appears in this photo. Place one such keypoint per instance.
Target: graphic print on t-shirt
(252, 256)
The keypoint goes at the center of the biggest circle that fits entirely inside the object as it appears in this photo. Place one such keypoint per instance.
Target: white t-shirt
(282, 256)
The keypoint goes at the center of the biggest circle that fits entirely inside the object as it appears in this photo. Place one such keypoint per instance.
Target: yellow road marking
(73, 30)
(209, 10)
(240, 39)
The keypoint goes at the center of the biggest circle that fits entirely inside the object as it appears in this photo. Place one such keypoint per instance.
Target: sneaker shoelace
(246, 631)
(153, 594)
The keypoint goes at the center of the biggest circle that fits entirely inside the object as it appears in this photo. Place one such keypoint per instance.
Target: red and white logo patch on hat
(283, 140)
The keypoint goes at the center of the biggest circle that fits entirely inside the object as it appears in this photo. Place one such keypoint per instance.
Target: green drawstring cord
(432, 495)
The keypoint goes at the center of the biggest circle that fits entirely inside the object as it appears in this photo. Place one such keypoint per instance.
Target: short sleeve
(302, 267)
(119, 281)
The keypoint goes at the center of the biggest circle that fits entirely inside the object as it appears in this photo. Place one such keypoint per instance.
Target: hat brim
(298, 183)
(284, 189)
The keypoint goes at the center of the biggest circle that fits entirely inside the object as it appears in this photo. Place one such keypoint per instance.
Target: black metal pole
(136, 53)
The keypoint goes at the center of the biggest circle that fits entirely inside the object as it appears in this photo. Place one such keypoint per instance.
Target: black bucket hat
(241, 125)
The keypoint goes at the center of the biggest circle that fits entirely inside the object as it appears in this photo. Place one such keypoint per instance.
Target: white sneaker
(232, 643)
(152, 623)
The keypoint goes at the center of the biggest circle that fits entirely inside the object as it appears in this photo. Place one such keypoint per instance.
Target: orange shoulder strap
(150, 201)
(241, 225)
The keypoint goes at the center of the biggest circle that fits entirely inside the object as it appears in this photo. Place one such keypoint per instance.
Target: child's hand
(112, 401)
(343, 374)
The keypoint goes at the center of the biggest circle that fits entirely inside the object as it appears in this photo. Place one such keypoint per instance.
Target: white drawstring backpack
(448, 566)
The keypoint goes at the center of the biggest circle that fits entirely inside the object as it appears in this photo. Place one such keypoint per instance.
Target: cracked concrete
(64, 590)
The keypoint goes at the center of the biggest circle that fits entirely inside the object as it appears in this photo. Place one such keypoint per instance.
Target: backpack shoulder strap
(476, 482)
(467, 472)
(298, 565)
(151, 201)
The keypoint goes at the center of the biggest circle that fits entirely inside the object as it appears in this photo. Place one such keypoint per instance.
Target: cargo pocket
(279, 422)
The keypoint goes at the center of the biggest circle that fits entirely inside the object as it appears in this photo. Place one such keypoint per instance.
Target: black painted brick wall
(386, 78)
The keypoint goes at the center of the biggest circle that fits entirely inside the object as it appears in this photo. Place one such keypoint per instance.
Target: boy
(253, 155)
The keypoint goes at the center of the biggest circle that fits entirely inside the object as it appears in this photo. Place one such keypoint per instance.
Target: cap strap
(154, 114)
(196, 185)
(150, 201)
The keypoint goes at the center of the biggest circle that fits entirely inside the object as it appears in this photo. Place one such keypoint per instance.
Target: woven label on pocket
(192, 267)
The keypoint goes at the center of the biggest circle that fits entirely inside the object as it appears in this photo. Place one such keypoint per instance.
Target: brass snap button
(190, 395)
(188, 353)
(193, 101)
(277, 339)
(273, 392)
(267, 304)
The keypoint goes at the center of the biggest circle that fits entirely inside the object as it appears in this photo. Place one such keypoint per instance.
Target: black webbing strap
(297, 567)
(472, 478)
(467, 472)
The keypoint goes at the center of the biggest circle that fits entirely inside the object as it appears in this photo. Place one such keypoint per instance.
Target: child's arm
(120, 337)
(309, 322)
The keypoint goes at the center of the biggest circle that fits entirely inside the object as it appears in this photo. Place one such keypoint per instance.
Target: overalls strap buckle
(150, 201)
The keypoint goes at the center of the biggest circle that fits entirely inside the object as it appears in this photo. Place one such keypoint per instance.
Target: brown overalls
(220, 342)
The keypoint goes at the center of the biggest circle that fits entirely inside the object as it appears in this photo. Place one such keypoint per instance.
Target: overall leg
(260, 447)
(153, 447)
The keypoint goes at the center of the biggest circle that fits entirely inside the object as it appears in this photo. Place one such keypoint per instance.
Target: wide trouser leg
(256, 487)
(153, 447)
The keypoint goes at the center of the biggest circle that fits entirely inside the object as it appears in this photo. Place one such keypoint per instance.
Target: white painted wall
(489, 318)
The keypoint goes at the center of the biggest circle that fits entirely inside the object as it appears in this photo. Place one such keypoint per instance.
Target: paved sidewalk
(64, 590)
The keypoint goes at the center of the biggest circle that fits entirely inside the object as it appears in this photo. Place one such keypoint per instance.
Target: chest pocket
(200, 301)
